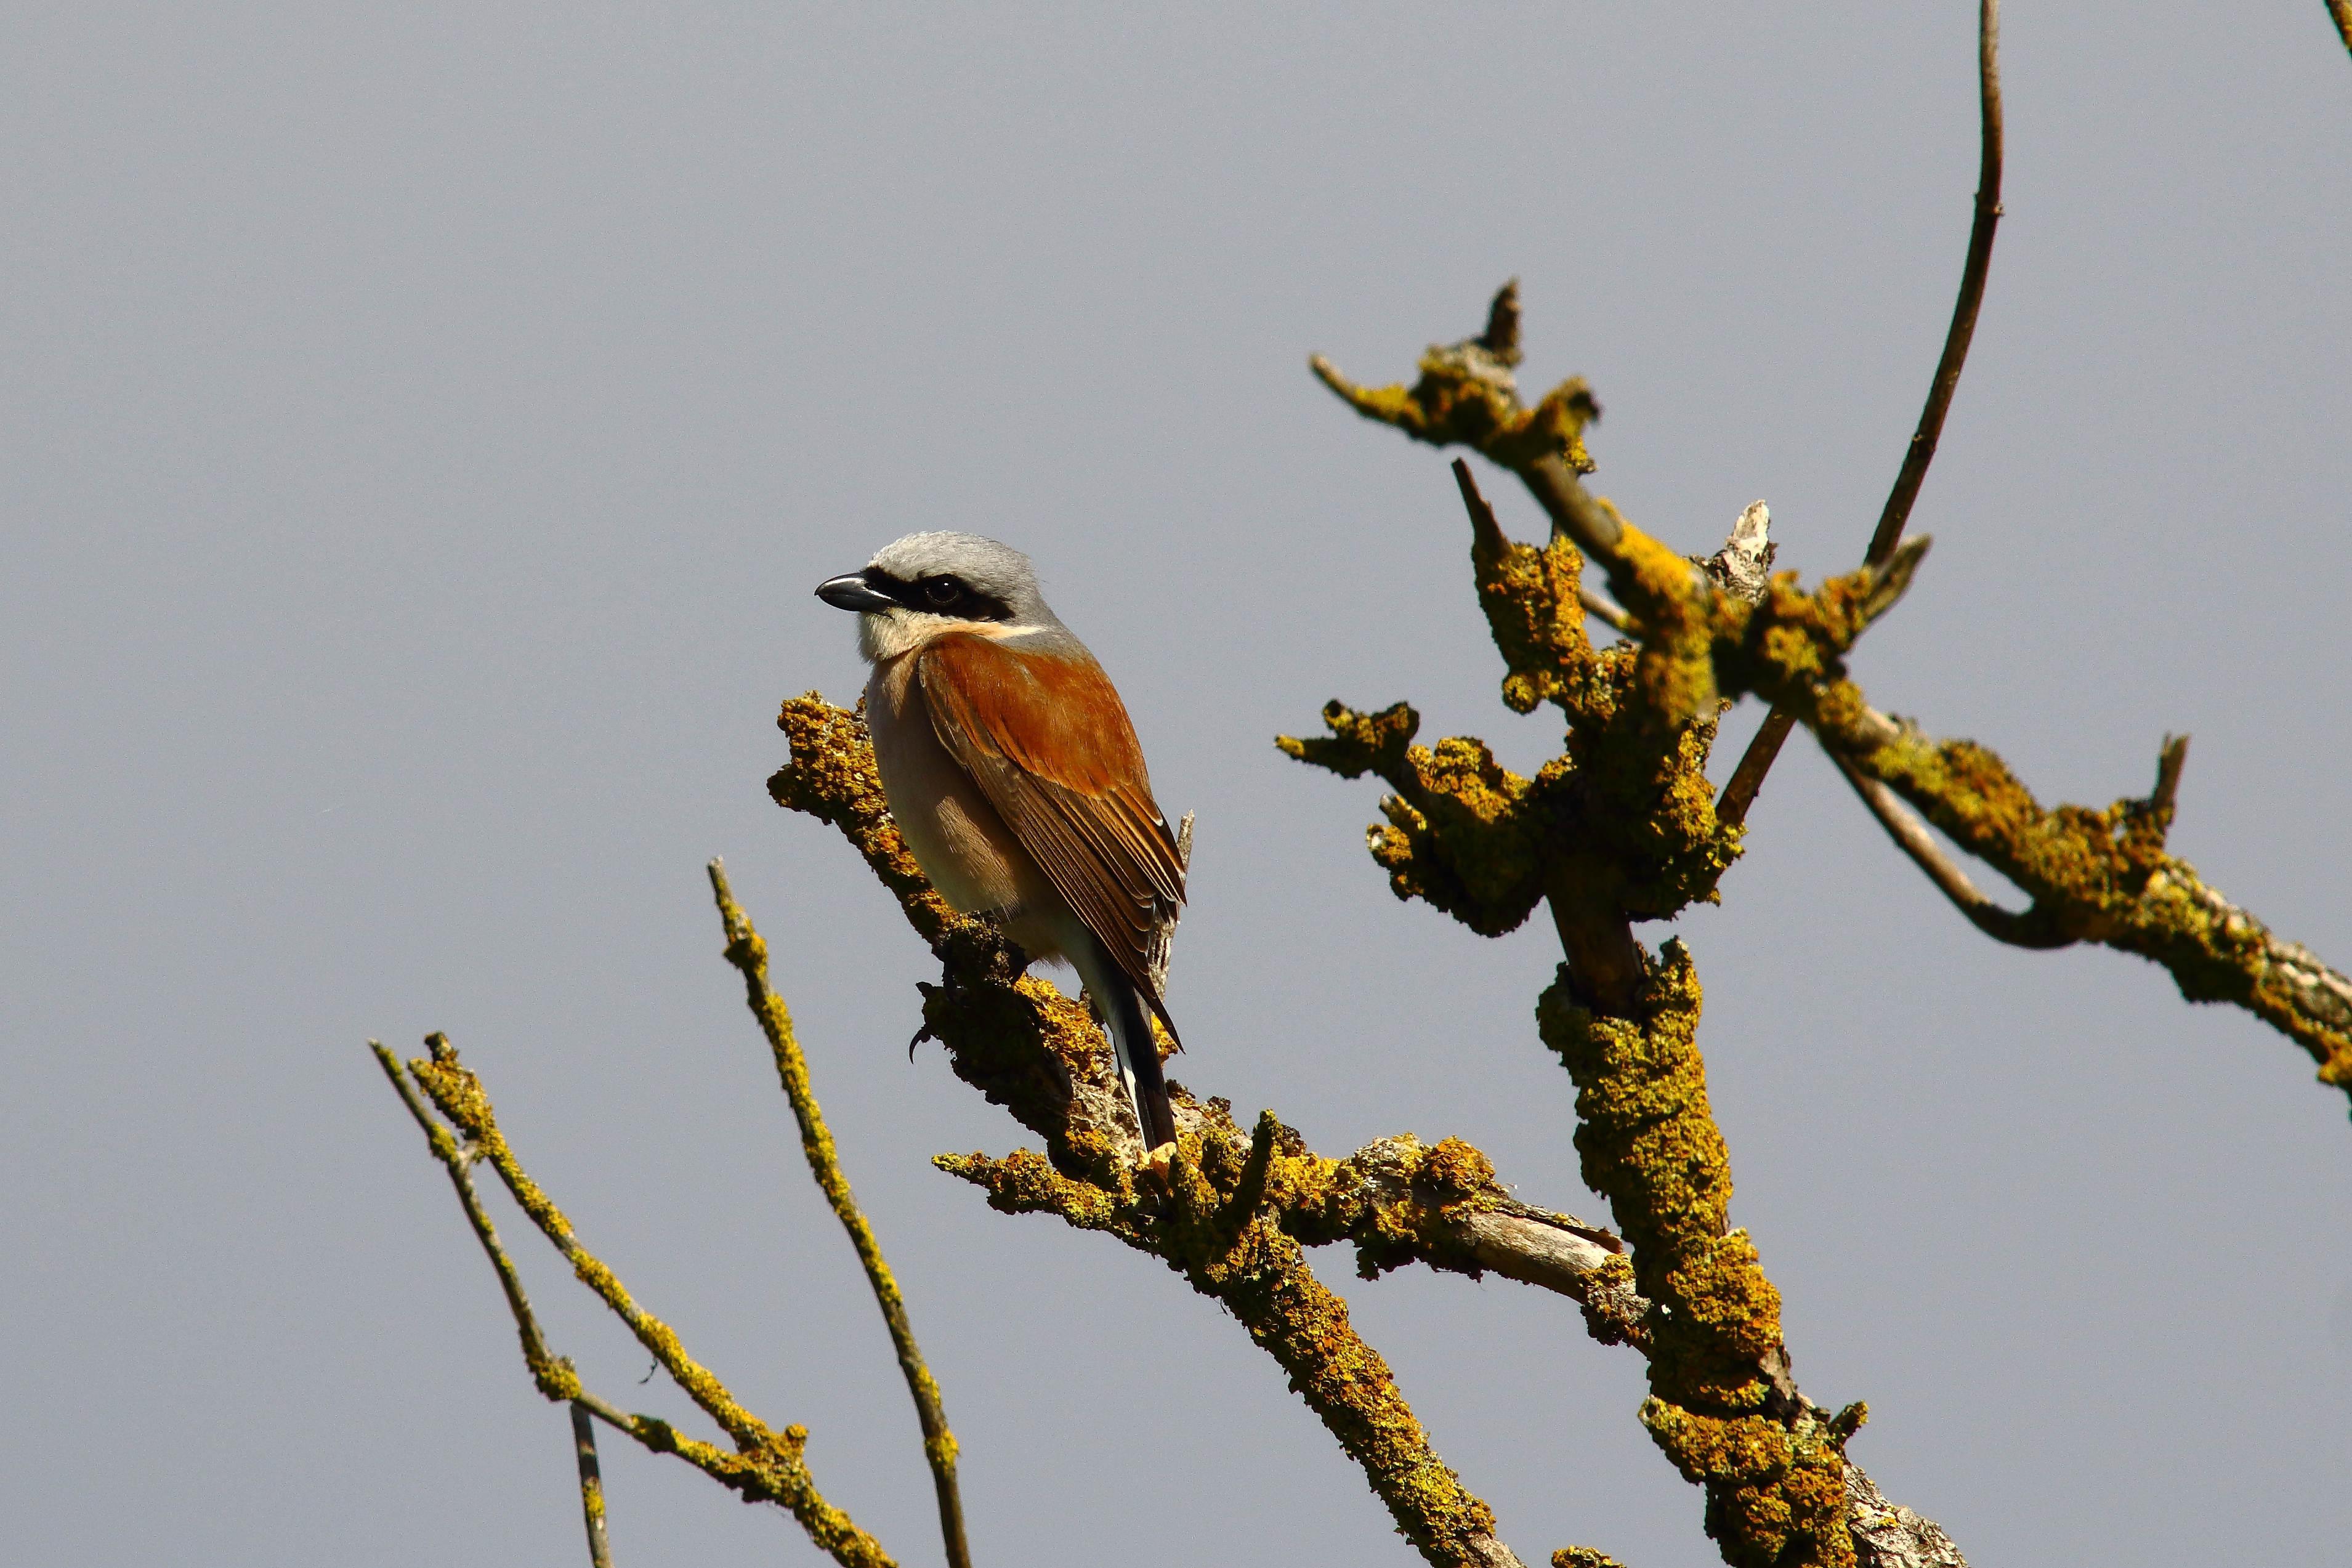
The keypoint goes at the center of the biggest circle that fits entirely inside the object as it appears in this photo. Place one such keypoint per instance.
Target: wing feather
(1050, 744)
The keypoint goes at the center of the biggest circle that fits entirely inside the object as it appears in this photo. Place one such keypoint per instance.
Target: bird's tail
(1138, 1058)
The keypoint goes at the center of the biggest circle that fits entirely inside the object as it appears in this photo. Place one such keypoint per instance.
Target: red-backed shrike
(1013, 772)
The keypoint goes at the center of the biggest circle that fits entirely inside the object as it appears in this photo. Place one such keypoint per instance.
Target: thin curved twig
(1971, 298)
(1739, 792)
(748, 952)
(1911, 835)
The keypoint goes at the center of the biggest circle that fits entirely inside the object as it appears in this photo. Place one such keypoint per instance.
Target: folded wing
(1050, 745)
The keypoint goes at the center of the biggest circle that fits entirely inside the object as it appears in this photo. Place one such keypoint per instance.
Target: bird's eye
(941, 592)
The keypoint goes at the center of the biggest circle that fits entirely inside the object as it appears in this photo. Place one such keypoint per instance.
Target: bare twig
(2169, 760)
(1971, 298)
(1763, 750)
(1600, 607)
(1739, 792)
(1911, 835)
(748, 952)
(592, 1487)
(1572, 509)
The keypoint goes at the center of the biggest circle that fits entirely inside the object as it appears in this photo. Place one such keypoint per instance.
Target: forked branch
(1740, 791)
(766, 1466)
(1238, 1206)
(2093, 875)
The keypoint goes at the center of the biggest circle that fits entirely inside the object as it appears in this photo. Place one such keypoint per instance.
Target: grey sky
(427, 422)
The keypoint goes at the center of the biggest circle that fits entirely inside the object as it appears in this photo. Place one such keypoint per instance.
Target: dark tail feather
(1139, 1062)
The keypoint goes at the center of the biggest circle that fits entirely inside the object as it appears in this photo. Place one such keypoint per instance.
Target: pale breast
(957, 837)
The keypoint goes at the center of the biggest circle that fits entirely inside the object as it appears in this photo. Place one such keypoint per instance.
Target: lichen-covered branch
(550, 1374)
(767, 1465)
(1622, 826)
(2103, 876)
(1468, 395)
(748, 952)
(1223, 1227)
(1238, 1208)
(1722, 1405)
(2091, 874)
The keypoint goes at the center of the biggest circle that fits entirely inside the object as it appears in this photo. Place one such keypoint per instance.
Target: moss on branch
(1229, 1223)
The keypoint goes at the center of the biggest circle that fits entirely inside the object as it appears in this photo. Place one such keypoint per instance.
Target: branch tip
(748, 952)
(2170, 758)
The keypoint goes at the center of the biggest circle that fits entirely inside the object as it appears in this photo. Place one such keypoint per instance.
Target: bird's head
(926, 583)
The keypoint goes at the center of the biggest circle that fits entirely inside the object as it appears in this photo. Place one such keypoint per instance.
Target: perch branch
(748, 952)
(1241, 1206)
(1740, 790)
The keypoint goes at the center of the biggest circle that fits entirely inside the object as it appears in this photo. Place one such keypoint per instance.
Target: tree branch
(1912, 836)
(1740, 790)
(1888, 1536)
(2104, 877)
(2093, 875)
(1223, 1226)
(1621, 827)
(767, 1465)
(1957, 338)
(748, 952)
(1238, 1207)
(592, 1487)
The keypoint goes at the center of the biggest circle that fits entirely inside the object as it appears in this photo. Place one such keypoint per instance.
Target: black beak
(852, 592)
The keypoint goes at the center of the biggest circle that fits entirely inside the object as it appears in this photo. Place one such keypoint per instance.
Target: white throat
(885, 635)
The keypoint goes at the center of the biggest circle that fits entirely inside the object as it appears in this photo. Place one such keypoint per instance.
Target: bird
(1014, 773)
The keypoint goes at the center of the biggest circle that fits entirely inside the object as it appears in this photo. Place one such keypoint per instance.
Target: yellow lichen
(1651, 1146)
